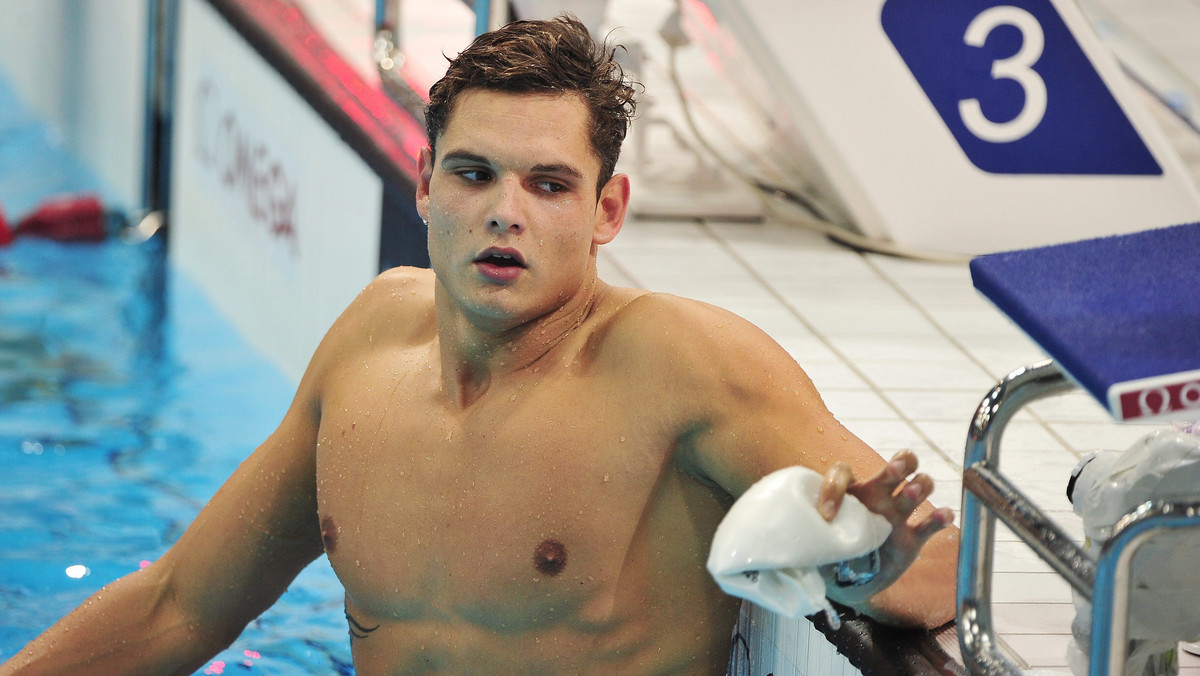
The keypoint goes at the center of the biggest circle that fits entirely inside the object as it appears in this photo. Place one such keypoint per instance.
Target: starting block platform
(1120, 317)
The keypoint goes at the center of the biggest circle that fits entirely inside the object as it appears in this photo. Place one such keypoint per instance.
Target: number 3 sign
(1014, 88)
(965, 126)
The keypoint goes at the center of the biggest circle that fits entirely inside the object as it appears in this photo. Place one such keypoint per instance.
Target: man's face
(511, 203)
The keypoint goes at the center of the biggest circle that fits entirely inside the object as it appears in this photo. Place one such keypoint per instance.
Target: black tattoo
(357, 630)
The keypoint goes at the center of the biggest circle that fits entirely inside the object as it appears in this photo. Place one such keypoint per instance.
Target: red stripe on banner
(393, 131)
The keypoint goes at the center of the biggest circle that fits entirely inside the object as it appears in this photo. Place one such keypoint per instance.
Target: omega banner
(272, 214)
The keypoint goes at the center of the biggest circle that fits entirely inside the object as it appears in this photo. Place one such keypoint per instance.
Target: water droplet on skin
(820, 430)
(606, 477)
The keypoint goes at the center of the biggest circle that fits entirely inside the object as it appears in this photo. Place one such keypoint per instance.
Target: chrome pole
(1110, 603)
(976, 631)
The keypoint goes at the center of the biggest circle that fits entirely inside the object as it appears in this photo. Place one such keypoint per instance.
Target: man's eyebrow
(563, 169)
(560, 169)
(464, 156)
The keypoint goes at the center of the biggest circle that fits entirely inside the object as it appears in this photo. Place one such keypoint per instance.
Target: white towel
(768, 547)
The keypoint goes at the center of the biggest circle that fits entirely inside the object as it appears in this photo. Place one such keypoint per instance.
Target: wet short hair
(557, 56)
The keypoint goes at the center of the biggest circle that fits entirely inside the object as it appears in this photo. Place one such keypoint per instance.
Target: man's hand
(893, 495)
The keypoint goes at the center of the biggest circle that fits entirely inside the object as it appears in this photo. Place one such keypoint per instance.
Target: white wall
(80, 65)
(272, 213)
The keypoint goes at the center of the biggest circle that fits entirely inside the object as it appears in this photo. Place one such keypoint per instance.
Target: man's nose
(507, 211)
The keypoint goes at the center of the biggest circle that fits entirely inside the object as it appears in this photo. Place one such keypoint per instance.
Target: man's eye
(474, 175)
(551, 186)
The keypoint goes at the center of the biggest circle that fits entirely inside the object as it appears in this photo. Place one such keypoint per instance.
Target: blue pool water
(125, 401)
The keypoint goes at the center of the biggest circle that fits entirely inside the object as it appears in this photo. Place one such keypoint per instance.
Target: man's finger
(879, 491)
(901, 465)
(939, 519)
(837, 480)
(913, 493)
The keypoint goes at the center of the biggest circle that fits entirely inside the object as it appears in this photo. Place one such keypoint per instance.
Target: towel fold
(768, 547)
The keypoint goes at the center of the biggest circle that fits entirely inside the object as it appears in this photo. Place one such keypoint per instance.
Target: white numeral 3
(1018, 67)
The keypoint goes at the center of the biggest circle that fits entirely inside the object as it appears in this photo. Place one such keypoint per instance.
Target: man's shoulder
(691, 334)
(396, 306)
(397, 293)
(413, 280)
(669, 318)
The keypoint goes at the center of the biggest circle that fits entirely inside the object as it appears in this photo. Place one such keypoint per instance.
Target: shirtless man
(514, 467)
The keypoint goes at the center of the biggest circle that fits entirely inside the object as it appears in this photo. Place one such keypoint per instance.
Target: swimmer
(514, 467)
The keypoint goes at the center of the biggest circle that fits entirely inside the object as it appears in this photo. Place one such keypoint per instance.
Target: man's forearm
(131, 626)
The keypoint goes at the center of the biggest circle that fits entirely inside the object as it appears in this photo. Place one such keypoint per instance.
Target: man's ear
(425, 172)
(610, 209)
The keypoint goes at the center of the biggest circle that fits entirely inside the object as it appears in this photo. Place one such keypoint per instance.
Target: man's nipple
(329, 534)
(550, 557)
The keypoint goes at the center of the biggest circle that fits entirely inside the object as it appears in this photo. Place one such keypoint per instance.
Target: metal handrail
(1110, 603)
(389, 59)
(987, 495)
(976, 632)
(388, 51)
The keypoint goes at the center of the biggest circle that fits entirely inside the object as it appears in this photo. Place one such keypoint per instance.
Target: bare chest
(524, 507)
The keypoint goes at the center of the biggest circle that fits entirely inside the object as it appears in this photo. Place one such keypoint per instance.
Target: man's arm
(762, 413)
(239, 555)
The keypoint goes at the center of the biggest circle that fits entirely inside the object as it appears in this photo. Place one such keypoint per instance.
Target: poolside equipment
(1018, 119)
(770, 544)
(65, 218)
(1120, 317)
(1107, 485)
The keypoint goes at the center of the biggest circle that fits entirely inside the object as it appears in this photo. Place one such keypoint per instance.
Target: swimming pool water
(125, 401)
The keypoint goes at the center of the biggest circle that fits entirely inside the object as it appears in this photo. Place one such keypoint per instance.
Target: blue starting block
(1120, 317)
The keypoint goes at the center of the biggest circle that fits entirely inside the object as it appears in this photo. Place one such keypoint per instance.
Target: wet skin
(512, 466)
(513, 409)
(501, 439)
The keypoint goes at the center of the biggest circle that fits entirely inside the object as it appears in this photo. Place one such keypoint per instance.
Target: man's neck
(473, 354)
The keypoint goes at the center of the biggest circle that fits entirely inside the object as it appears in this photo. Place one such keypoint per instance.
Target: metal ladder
(987, 494)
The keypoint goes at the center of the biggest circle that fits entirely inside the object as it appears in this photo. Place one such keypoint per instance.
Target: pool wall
(80, 65)
(290, 179)
(271, 212)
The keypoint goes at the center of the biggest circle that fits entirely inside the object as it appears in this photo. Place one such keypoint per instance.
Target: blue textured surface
(1108, 310)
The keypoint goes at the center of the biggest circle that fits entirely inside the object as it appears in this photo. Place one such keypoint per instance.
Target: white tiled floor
(902, 352)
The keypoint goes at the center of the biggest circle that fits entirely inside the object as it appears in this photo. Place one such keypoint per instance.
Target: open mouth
(500, 265)
(501, 259)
